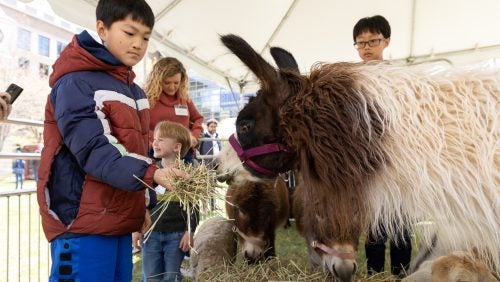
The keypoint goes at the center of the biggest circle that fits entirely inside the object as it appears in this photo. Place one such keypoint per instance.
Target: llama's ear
(284, 59)
(262, 69)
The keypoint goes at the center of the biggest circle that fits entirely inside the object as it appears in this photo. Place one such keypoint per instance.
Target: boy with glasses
(371, 36)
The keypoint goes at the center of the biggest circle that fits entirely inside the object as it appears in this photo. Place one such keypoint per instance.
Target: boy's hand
(163, 176)
(147, 222)
(4, 107)
(186, 241)
(136, 241)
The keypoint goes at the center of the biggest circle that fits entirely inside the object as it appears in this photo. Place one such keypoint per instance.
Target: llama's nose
(250, 258)
(345, 270)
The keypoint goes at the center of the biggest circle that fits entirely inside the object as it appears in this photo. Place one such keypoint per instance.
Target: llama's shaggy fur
(454, 267)
(397, 144)
(214, 245)
(381, 145)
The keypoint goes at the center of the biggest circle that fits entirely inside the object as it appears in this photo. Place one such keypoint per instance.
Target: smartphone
(14, 90)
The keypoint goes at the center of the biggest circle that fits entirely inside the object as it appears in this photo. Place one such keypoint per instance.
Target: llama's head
(258, 209)
(257, 149)
(332, 242)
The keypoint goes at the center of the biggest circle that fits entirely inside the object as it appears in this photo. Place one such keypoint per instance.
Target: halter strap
(332, 251)
(246, 155)
(244, 236)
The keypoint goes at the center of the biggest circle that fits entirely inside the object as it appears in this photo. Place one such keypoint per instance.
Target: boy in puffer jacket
(93, 165)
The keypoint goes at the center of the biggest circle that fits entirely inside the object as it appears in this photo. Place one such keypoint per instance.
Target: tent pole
(276, 30)
(412, 31)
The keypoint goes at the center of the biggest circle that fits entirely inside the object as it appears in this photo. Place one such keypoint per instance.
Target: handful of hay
(193, 192)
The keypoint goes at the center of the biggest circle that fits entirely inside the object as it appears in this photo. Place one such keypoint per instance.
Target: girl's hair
(164, 68)
(176, 131)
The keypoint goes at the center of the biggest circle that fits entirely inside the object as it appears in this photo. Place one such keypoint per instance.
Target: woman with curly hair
(167, 92)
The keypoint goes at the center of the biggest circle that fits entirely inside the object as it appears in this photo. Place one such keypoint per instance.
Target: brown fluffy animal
(258, 209)
(374, 144)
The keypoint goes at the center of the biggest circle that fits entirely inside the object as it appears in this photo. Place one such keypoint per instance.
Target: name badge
(160, 190)
(181, 110)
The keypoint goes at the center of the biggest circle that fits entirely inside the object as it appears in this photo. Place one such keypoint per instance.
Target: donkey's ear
(262, 69)
(284, 59)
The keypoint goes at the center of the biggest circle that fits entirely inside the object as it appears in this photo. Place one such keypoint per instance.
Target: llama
(454, 267)
(214, 246)
(375, 144)
(258, 209)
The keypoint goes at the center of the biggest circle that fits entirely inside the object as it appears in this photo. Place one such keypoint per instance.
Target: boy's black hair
(110, 11)
(375, 24)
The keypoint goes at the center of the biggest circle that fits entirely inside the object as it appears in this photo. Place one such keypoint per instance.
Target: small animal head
(253, 244)
(329, 246)
(259, 148)
(257, 208)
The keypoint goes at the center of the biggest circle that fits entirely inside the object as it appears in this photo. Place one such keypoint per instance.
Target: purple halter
(246, 155)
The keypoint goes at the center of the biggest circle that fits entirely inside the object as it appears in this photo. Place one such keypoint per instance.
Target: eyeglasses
(371, 43)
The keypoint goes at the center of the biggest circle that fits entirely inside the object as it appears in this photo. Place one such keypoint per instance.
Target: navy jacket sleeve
(83, 132)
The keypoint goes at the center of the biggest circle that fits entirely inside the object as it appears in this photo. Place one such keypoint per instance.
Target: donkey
(258, 209)
(374, 145)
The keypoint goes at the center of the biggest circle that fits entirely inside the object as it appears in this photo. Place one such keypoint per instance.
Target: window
(23, 39)
(43, 46)
(60, 48)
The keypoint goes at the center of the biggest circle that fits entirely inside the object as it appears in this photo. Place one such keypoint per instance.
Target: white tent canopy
(460, 31)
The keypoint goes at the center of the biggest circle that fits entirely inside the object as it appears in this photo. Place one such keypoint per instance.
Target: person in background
(5, 107)
(371, 36)
(36, 163)
(18, 166)
(210, 147)
(164, 249)
(167, 92)
(94, 166)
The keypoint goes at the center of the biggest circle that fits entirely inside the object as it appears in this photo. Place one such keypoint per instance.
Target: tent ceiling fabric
(312, 30)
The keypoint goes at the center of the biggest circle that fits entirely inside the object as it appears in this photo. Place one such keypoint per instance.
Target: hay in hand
(193, 192)
(196, 189)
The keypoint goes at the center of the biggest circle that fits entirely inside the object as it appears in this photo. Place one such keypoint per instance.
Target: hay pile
(278, 270)
(271, 270)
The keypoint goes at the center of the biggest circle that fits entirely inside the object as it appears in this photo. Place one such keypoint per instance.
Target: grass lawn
(24, 252)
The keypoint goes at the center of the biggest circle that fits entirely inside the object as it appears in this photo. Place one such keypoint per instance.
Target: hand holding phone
(14, 91)
(4, 107)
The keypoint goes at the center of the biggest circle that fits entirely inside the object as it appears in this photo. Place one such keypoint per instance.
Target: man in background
(211, 147)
